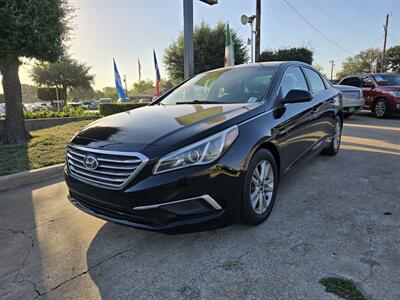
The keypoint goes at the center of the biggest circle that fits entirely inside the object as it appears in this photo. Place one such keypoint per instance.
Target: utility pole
(384, 43)
(332, 64)
(258, 29)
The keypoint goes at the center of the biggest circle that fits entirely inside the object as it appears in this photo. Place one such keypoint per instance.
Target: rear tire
(261, 184)
(380, 108)
(336, 138)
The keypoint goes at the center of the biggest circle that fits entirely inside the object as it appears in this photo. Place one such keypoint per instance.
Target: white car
(2, 108)
(353, 100)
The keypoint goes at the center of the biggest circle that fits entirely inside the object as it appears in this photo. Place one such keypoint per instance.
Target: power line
(317, 30)
(338, 21)
(393, 38)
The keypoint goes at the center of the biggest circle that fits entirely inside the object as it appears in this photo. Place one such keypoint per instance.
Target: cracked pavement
(336, 216)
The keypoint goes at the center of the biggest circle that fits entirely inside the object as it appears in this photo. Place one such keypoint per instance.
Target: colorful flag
(140, 70)
(158, 77)
(118, 84)
(229, 53)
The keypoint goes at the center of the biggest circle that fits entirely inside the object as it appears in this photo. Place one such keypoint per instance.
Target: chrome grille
(112, 169)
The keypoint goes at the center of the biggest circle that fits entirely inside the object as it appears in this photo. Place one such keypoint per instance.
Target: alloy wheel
(380, 108)
(337, 135)
(262, 187)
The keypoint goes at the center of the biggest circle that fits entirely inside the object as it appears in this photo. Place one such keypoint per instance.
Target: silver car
(353, 100)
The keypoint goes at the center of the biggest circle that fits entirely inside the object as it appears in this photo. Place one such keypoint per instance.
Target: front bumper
(192, 196)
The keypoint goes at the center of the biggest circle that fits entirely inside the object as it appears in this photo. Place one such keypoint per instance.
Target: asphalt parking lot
(336, 216)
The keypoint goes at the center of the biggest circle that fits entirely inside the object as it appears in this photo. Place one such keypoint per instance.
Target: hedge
(107, 109)
(64, 113)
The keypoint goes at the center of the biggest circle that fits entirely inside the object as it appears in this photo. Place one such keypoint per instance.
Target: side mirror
(297, 96)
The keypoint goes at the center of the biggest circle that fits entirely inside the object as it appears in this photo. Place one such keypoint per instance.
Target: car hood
(163, 126)
(389, 88)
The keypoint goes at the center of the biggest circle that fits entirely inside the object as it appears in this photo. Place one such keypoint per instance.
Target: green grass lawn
(46, 148)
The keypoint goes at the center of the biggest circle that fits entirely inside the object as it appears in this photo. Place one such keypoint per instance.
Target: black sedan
(214, 148)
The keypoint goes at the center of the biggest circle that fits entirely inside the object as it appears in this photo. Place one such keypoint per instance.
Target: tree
(107, 92)
(166, 84)
(320, 69)
(31, 29)
(78, 94)
(299, 54)
(65, 73)
(366, 61)
(393, 58)
(209, 51)
(29, 93)
(141, 86)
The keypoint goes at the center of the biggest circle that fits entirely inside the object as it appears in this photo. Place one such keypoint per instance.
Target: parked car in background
(105, 100)
(90, 104)
(2, 109)
(145, 100)
(38, 106)
(75, 104)
(353, 100)
(381, 91)
(211, 149)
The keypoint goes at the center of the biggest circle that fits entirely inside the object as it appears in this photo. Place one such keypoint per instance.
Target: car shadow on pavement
(325, 222)
(21, 257)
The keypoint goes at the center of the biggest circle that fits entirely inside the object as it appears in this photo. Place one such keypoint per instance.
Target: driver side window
(293, 79)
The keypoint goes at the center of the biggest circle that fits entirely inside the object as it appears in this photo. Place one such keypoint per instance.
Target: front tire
(260, 188)
(380, 108)
(335, 140)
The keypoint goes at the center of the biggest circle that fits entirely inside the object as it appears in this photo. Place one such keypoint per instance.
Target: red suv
(381, 91)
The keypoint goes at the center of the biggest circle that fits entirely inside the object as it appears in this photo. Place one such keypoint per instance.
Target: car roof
(264, 64)
(368, 74)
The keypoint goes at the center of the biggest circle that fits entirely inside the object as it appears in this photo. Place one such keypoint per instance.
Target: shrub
(107, 109)
(64, 113)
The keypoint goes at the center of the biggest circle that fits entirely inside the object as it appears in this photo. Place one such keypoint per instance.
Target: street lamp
(250, 20)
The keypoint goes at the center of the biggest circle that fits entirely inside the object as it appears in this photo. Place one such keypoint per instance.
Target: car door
(298, 120)
(368, 90)
(323, 100)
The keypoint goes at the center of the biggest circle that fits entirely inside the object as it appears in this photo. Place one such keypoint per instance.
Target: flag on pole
(140, 70)
(229, 53)
(158, 77)
(118, 84)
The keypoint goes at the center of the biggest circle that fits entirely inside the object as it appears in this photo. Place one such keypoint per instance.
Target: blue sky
(130, 29)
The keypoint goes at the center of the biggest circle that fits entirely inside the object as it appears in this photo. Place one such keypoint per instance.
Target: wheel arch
(378, 98)
(271, 147)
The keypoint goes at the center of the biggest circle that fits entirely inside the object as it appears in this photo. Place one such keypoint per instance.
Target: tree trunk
(15, 131)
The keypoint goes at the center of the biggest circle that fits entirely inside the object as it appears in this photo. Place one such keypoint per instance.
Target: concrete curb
(17, 180)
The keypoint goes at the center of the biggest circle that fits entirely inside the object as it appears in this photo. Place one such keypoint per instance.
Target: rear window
(353, 81)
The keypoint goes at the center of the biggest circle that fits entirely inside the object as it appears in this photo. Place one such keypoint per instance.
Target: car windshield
(236, 85)
(387, 79)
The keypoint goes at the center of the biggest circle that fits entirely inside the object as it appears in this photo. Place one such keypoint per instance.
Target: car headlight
(199, 153)
(395, 93)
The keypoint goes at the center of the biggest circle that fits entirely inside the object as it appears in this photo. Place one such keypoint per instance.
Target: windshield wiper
(198, 102)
